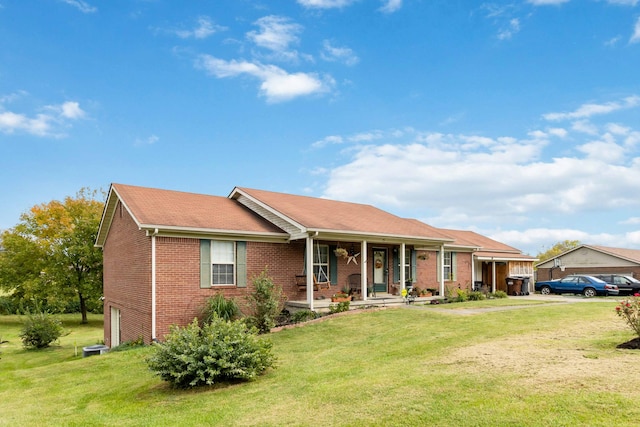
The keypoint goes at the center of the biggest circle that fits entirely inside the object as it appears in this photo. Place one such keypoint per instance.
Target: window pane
(222, 262)
(222, 274)
(321, 262)
(222, 252)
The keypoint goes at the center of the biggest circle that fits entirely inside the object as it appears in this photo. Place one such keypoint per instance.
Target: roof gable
(174, 210)
(310, 214)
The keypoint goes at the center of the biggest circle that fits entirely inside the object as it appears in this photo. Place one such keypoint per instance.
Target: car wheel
(589, 292)
(545, 290)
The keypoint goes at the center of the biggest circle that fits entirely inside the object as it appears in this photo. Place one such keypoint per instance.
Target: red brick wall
(127, 278)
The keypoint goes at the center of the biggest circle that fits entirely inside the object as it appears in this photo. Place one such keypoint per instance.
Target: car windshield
(632, 279)
(595, 279)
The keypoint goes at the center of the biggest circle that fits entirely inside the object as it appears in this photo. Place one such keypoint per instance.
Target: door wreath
(378, 263)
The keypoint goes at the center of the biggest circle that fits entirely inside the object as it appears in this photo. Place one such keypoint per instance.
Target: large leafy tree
(50, 255)
(557, 249)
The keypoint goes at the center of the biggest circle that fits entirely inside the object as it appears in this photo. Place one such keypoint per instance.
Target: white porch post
(473, 273)
(309, 269)
(363, 270)
(493, 277)
(441, 267)
(403, 279)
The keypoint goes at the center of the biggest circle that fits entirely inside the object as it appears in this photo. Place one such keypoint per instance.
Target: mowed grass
(372, 368)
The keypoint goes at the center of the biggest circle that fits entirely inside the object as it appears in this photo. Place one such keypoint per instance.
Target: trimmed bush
(40, 330)
(218, 305)
(303, 316)
(339, 308)
(219, 351)
(500, 294)
(476, 296)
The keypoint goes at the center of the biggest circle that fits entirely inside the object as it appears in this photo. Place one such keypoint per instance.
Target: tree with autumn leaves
(49, 256)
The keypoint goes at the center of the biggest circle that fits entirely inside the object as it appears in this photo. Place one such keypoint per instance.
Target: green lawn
(551, 365)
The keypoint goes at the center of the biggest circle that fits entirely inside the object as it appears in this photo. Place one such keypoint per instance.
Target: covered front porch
(383, 268)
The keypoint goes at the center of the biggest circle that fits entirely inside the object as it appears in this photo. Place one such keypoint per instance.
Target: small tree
(40, 329)
(266, 302)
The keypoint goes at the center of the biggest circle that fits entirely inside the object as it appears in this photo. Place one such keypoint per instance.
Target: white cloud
(390, 6)
(205, 28)
(546, 2)
(146, 141)
(635, 38)
(513, 28)
(276, 33)
(559, 132)
(606, 151)
(328, 140)
(624, 2)
(325, 4)
(334, 53)
(588, 110)
(82, 6)
(42, 124)
(584, 126)
(276, 84)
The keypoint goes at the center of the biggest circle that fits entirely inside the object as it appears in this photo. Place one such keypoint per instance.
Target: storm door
(380, 270)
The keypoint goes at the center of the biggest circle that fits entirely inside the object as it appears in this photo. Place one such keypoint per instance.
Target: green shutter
(396, 266)
(241, 264)
(205, 264)
(454, 266)
(333, 265)
(414, 263)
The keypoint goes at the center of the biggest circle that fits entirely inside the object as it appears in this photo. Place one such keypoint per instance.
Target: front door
(380, 270)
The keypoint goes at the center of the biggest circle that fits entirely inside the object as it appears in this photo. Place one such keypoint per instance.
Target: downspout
(153, 285)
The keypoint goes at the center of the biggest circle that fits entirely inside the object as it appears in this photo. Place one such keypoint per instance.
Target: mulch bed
(634, 344)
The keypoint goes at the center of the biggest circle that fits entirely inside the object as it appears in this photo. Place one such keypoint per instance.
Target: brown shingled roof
(630, 254)
(331, 215)
(470, 238)
(155, 207)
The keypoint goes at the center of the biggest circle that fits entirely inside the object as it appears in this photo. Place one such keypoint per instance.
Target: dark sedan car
(588, 286)
(627, 284)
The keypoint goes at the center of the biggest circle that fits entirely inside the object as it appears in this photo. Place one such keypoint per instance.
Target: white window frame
(216, 260)
(321, 263)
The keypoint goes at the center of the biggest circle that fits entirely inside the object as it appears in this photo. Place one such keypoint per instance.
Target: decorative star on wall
(352, 257)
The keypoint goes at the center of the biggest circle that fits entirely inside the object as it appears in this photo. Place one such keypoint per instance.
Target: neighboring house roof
(335, 219)
(630, 255)
(180, 212)
(486, 248)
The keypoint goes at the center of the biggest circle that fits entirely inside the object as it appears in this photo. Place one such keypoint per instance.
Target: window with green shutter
(223, 263)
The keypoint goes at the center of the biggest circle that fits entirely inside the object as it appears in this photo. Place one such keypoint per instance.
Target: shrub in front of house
(500, 294)
(219, 351)
(266, 302)
(220, 306)
(476, 296)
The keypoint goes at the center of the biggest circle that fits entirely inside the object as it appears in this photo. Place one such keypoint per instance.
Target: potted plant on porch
(340, 297)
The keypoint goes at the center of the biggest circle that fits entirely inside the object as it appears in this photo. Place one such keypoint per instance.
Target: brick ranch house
(165, 252)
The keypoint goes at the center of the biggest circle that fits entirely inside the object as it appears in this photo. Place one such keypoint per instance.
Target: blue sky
(518, 119)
